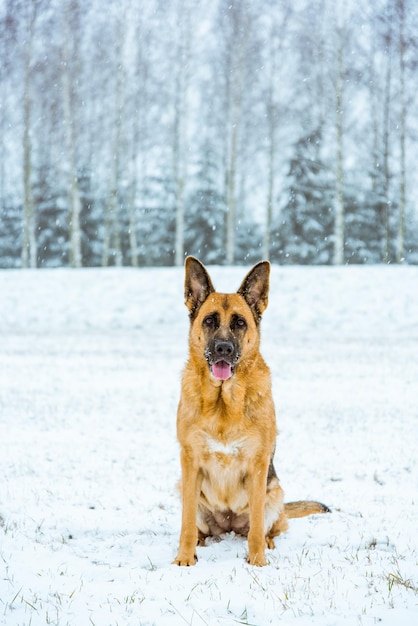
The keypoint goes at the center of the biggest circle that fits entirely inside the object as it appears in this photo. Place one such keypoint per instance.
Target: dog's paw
(257, 559)
(185, 561)
(270, 543)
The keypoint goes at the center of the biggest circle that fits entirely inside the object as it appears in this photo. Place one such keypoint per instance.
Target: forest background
(133, 132)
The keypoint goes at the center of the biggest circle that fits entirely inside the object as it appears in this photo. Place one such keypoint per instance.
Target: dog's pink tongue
(221, 370)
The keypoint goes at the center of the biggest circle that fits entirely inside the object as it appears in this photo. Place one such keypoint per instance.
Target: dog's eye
(209, 321)
(240, 322)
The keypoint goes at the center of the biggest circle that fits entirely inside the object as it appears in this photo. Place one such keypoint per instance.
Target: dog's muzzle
(221, 356)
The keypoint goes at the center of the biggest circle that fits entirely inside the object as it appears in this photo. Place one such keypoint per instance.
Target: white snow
(90, 365)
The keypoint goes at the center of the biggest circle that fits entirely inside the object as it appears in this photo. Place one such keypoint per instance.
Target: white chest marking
(232, 447)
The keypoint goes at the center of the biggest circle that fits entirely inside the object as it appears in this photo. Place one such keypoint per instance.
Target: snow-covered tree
(302, 233)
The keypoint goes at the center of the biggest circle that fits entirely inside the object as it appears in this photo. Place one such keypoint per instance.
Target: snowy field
(90, 365)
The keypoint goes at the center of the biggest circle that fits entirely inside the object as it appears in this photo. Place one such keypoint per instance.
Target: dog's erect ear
(197, 285)
(255, 288)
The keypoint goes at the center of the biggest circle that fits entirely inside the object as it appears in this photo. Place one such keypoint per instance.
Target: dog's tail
(301, 508)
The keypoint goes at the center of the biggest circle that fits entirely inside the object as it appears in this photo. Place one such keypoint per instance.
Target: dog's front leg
(257, 498)
(190, 488)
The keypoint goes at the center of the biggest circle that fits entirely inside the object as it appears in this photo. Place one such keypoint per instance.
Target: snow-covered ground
(90, 365)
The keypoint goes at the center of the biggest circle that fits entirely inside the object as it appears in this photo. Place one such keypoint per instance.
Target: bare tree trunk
(112, 226)
(137, 116)
(179, 167)
(339, 181)
(402, 138)
(276, 39)
(112, 237)
(270, 190)
(69, 120)
(231, 175)
(106, 236)
(386, 140)
(133, 239)
(272, 135)
(373, 94)
(241, 17)
(137, 112)
(29, 244)
(180, 124)
(132, 189)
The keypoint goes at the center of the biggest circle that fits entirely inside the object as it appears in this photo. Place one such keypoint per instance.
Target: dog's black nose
(224, 348)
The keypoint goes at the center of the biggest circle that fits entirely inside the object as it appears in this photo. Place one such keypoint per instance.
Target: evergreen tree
(91, 220)
(303, 231)
(156, 227)
(205, 215)
(10, 236)
(364, 225)
(248, 242)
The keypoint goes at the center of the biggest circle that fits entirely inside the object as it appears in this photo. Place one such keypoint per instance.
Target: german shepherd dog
(226, 423)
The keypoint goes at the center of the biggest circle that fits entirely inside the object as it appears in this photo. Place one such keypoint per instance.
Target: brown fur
(227, 426)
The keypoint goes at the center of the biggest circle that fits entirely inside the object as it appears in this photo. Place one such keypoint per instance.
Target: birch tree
(29, 244)
(387, 106)
(275, 42)
(339, 176)
(402, 133)
(338, 22)
(180, 130)
(137, 113)
(70, 69)
(373, 89)
(112, 247)
(237, 32)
